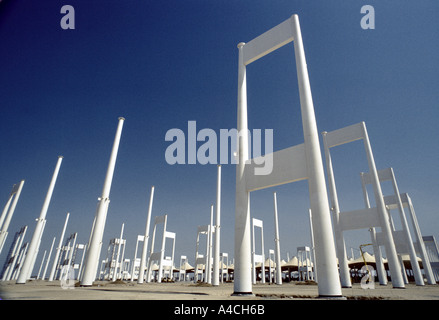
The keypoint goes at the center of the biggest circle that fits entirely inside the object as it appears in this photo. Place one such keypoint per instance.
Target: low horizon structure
(97, 231)
(8, 212)
(34, 244)
(363, 218)
(300, 162)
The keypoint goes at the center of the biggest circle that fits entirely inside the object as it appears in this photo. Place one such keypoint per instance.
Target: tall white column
(116, 266)
(94, 248)
(243, 275)
(217, 272)
(277, 243)
(345, 277)
(58, 250)
(48, 259)
(392, 258)
(7, 221)
(209, 248)
(329, 282)
(32, 250)
(145, 240)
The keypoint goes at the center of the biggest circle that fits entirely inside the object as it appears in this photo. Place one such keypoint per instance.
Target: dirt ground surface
(104, 290)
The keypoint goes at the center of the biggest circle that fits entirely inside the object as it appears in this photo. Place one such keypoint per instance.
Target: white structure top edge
(268, 41)
(257, 222)
(345, 135)
(383, 175)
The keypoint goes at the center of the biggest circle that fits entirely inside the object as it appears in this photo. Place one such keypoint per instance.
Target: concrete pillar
(58, 250)
(277, 243)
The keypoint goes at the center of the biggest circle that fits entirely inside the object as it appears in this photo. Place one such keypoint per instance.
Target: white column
(29, 261)
(55, 260)
(345, 277)
(145, 240)
(118, 254)
(162, 250)
(329, 282)
(94, 248)
(48, 259)
(217, 268)
(419, 279)
(394, 265)
(277, 243)
(242, 282)
(5, 226)
(209, 248)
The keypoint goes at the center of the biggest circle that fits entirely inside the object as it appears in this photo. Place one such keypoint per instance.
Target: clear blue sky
(161, 64)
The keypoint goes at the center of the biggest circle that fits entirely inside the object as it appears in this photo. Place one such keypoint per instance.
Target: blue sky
(161, 64)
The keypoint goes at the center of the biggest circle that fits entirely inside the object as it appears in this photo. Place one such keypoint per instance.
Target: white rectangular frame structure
(201, 259)
(256, 223)
(159, 255)
(289, 165)
(363, 218)
(402, 238)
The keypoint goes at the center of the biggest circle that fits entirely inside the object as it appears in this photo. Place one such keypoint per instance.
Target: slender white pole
(58, 249)
(118, 255)
(29, 261)
(312, 246)
(277, 243)
(209, 248)
(5, 226)
(217, 273)
(48, 259)
(391, 254)
(243, 266)
(42, 263)
(345, 277)
(329, 282)
(143, 259)
(94, 249)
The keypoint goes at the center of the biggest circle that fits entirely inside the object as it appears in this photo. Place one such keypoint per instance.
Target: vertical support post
(32, 250)
(345, 278)
(58, 250)
(48, 259)
(242, 282)
(419, 279)
(162, 250)
(329, 282)
(394, 265)
(312, 246)
(94, 248)
(421, 246)
(143, 261)
(217, 269)
(118, 255)
(209, 248)
(277, 243)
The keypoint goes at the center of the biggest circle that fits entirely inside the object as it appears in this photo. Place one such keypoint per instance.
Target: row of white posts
(301, 162)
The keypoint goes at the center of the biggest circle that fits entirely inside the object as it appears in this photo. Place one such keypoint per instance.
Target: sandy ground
(103, 290)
